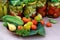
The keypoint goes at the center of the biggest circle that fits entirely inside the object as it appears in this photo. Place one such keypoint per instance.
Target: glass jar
(53, 9)
(41, 7)
(30, 9)
(16, 7)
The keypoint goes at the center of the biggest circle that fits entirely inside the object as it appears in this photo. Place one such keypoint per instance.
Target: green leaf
(33, 32)
(22, 32)
(41, 30)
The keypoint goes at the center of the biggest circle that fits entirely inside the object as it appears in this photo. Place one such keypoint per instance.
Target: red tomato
(20, 27)
(26, 19)
(48, 24)
(43, 14)
(34, 22)
(51, 7)
(42, 22)
(56, 15)
(43, 8)
(51, 12)
(56, 10)
(33, 27)
(59, 9)
(40, 11)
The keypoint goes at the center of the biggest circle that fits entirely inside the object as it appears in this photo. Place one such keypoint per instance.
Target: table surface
(52, 33)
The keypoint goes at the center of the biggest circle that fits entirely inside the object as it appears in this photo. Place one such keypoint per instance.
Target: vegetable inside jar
(16, 7)
(53, 9)
(30, 9)
(41, 7)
